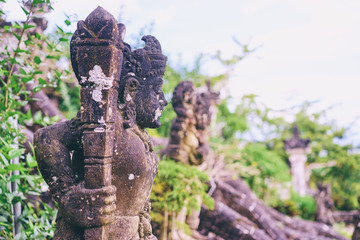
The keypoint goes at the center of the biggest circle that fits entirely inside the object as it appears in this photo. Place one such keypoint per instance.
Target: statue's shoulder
(137, 138)
(67, 133)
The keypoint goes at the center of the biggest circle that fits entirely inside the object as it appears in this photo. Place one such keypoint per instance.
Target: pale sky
(309, 48)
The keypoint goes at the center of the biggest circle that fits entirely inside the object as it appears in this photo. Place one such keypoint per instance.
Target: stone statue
(100, 165)
(324, 204)
(188, 138)
(188, 141)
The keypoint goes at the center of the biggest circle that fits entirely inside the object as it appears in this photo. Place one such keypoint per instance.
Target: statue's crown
(145, 62)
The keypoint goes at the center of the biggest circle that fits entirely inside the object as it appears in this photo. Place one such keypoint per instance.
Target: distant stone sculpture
(297, 149)
(188, 138)
(100, 165)
(324, 204)
(188, 141)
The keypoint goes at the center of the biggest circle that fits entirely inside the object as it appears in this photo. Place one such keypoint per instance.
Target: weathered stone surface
(188, 137)
(92, 111)
(324, 204)
(100, 165)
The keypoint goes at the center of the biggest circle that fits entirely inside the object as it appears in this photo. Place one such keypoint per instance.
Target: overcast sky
(309, 48)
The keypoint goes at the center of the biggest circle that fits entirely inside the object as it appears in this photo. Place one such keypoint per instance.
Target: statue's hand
(89, 207)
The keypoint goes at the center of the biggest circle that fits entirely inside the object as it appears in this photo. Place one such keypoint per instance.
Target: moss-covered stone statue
(100, 165)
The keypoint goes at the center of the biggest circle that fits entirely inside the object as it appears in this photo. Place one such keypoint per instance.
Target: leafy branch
(17, 50)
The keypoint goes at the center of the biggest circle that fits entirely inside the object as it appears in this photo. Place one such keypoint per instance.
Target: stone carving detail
(188, 137)
(100, 165)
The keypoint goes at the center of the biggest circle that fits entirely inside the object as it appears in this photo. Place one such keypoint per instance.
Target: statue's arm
(53, 145)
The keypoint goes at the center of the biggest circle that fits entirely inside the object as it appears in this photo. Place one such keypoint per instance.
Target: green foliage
(26, 59)
(177, 186)
(297, 205)
(324, 138)
(344, 180)
(269, 163)
(252, 124)
(234, 122)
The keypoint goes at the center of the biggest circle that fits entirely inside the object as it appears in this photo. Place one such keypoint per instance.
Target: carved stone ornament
(188, 137)
(100, 165)
(296, 141)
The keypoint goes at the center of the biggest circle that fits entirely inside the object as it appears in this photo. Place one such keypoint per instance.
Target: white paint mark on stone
(128, 98)
(99, 129)
(97, 95)
(83, 80)
(252, 207)
(131, 176)
(157, 114)
(99, 82)
(101, 120)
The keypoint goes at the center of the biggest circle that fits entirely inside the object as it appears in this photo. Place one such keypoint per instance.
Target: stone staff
(98, 55)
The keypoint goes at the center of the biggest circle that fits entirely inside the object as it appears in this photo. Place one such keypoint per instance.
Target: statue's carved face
(150, 102)
(140, 86)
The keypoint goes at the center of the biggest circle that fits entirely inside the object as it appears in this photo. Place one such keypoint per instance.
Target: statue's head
(184, 99)
(140, 87)
(137, 75)
(204, 101)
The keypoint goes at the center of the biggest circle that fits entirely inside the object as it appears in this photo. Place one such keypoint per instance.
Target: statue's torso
(134, 167)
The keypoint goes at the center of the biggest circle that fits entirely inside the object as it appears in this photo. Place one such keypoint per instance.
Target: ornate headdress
(144, 62)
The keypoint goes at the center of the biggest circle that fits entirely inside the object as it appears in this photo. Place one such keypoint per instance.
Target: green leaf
(52, 57)
(38, 117)
(63, 39)
(13, 167)
(24, 10)
(7, 28)
(30, 161)
(42, 81)
(37, 60)
(16, 25)
(38, 36)
(13, 178)
(38, 1)
(4, 159)
(13, 153)
(37, 72)
(17, 36)
(26, 26)
(67, 22)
